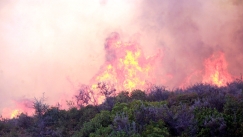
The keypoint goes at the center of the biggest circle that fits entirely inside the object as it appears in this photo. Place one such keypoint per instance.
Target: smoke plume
(55, 46)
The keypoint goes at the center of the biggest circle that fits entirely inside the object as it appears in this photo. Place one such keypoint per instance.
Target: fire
(216, 70)
(10, 113)
(21, 106)
(126, 66)
(14, 113)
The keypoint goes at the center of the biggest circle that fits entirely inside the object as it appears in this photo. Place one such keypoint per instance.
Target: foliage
(185, 98)
(158, 93)
(84, 96)
(123, 96)
(24, 121)
(233, 112)
(199, 110)
(156, 129)
(179, 119)
(138, 95)
(121, 124)
(100, 120)
(210, 122)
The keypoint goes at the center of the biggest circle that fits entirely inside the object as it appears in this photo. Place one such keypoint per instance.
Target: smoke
(55, 46)
(191, 31)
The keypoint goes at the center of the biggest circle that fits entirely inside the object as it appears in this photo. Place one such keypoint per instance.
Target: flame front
(216, 71)
(126, 66)
(14, 113)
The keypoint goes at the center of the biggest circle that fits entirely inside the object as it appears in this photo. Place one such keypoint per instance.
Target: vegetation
(199, 110)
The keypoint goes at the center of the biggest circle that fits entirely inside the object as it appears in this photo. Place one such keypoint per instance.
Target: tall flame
(216, 70)
(126, 65)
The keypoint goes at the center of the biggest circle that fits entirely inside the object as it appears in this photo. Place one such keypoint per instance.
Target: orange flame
(216, 71)
(21, 106)
(14, 113)
(126, 66)
(10, 113)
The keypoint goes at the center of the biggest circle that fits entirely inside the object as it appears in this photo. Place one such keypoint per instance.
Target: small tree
(85, 96)
(109, 92)
(106, 90)
(40, 109)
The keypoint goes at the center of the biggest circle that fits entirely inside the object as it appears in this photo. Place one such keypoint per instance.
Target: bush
(179, 119)
(123, 97)
(202, 89)
(121, 124)
(199, 110)
(233, 111)
(24, 121)
(144, 115)
(108, 104)
(103, 119)
(102, 132)
(156, 129)
(235, 88)
(158, 93)
(210, 122)
(138, 95)
(182, 98)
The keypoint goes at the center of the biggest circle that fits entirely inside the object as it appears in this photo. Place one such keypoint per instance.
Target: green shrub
(184, 98)
(138, 95)
(156, 129)
(102, 132)
(103, 119)
(123, 97)
(210, 122)
(233, 113)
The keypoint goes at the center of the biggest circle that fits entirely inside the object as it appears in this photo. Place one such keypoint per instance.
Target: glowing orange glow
(216, 71)
(15, 113)
(21, 106)
(126, 66)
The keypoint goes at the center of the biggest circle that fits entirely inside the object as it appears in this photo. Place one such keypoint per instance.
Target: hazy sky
(53, 46)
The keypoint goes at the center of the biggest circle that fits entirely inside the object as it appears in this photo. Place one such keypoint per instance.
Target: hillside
(198, 110)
